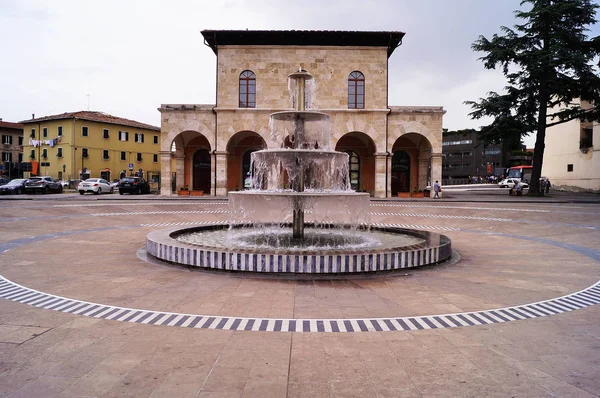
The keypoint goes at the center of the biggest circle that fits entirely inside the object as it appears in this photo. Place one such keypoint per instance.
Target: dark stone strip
(568, 303)
(507, 314)
(540, 309)
(292, 326)
(442, 321)
(182, 320)
(97, 312)
(51, 300)
(580, 301)
(488, 318)
(236, 323)
(499, 315)
(169, 319)
(479, 319)
(133, 315)
(362, 326)
(221, 324)
(77, 307)
(348, 326)
(523, 314)
(549, 310)
(390, 325)
(376, 325)
(56, 305)
(403, 324)
(415, 323)
(195, 322)
(249, 324)
(320, 326)
(278, 325)
(429, 323)
(464, 318)
(208, 322)
(334, 326)
(306, 326)
(110, 312)
(263, 325)
(144, 317)
(529, 311)
(70, 306)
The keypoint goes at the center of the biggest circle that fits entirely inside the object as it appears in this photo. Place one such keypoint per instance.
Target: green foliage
(548, 62)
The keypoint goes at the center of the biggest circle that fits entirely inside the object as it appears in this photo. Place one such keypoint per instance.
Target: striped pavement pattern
(144, 213)
(377, 204)
(175, 224)
(149, 203)
(441, 216)
(412, 226)
(575, 301)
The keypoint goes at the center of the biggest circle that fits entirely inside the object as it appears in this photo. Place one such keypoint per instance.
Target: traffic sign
(130, 166)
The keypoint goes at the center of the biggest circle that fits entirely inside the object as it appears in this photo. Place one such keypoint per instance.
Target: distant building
(78, 145)
(12, 149)
(572, 155)
(466, 156)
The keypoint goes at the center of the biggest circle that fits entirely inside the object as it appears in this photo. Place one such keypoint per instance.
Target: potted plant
(404, 194)
(196, 193)
(185, 191)
(417, 194)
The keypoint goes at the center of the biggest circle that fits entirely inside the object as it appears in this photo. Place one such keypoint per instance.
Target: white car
(510, 182)
(95, 186)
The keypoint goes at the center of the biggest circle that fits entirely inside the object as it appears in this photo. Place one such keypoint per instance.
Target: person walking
(436, 190)
(548, 185)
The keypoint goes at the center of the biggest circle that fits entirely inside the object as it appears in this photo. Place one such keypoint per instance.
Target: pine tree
(548, 64)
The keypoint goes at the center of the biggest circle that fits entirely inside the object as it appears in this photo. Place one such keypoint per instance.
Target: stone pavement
(510, 253)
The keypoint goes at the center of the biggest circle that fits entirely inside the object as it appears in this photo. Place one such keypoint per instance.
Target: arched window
(356, 90)
(247, 89)
(354, 166)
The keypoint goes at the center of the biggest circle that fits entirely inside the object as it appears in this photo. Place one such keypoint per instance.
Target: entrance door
(202, 171)
(400, 172)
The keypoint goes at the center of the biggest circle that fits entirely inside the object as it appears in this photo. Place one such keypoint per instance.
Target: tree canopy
(548, 62)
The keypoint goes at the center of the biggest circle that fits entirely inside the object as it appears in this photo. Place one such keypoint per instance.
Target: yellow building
(78, 145)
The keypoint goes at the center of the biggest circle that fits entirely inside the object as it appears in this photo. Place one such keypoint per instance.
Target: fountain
(300, 214)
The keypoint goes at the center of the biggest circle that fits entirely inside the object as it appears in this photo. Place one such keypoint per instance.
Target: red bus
(522, 172)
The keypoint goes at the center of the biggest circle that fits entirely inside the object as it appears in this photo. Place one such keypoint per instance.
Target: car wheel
(81, 192)
(98, 192)
(120, 192)
(18, 191)
(46, 190)
(112, 190)
(60, 189)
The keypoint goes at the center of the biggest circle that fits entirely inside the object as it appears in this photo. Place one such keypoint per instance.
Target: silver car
(44, 184)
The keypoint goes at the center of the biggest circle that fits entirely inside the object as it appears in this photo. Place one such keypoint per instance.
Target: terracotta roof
(94, 117)
(216, 38)
(11, 125)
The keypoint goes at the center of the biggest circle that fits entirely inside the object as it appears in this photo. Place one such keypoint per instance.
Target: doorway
(202, 171)
(400, 172)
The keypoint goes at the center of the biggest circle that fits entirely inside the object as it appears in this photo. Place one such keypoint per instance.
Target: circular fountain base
(419, 249)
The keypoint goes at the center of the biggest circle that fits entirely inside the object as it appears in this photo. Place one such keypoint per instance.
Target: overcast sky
(127, 57)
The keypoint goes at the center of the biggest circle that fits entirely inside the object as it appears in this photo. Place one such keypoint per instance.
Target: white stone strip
(149, 203)
(445, 216)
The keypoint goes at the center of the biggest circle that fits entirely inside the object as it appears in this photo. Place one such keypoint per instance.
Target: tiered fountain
(301, 216)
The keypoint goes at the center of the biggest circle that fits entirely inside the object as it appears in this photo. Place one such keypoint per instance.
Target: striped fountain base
(434, 248)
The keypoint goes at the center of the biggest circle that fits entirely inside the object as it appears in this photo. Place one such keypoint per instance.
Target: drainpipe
(387, 116)
(215, 113)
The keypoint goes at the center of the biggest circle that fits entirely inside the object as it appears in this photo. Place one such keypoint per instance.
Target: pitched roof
(94, 117)
(216, 38)
(11, 125)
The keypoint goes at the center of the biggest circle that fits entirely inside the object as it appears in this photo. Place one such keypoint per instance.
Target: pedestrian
(122, 175)
(436, 190)
(548, 185)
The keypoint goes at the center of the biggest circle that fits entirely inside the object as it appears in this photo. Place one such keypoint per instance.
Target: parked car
(14, 187)
(4, 181)
(133, 185)
(43, 184)
(510, 182)
(95, 186)
(65, 183)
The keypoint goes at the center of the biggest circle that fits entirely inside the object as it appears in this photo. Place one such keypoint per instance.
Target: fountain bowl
(431, 248)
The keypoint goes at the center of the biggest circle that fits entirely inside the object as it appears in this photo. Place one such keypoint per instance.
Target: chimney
(33, 115)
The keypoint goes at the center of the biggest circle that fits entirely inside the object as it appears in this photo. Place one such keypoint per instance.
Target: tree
(548, 64)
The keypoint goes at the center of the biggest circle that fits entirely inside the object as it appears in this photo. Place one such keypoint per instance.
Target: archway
(201, 170)
(360, 149)
(239, 151)
(411, 163)
(400, 172)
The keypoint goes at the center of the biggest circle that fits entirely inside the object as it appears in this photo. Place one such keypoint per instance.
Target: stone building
(392, 148)
(12, 149)
(572, 155)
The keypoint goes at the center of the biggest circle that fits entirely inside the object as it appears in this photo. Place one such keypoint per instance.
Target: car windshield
(129, 180)
(16, 182)
(36, 179)
(91, 180)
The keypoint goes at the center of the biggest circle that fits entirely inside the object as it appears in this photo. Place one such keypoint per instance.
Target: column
(220, 169)
(380, 174)
(166, 181)
(180, 180)
(436, 170)
(423, 165)
(389, 176)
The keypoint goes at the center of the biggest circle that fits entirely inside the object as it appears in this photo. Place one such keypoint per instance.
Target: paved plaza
(85, 313)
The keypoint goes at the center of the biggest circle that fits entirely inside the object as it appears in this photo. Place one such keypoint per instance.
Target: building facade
(391, 148)
(12, 149)
(572, 155)
(84, 144)
(465, 156)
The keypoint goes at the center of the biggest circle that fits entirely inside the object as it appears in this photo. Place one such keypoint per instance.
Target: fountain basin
(431, 248)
